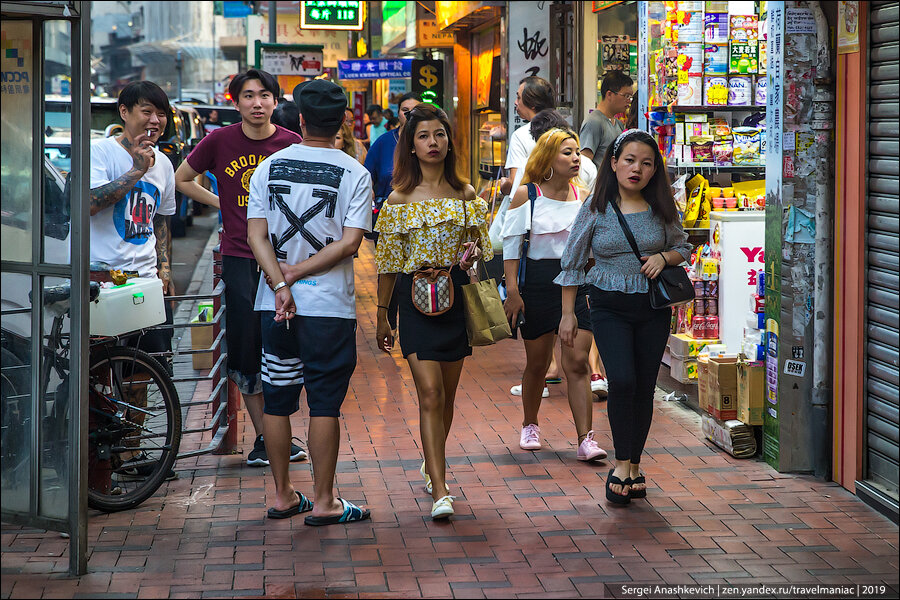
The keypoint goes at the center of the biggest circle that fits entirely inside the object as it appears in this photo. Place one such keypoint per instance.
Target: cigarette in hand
(150, 135)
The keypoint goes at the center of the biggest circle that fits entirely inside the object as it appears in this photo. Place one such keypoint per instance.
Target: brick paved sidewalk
(527, 524)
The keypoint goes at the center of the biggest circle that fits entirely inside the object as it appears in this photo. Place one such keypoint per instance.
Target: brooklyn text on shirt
(249, 163)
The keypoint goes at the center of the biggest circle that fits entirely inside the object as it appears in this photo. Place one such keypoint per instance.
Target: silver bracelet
(279, 286)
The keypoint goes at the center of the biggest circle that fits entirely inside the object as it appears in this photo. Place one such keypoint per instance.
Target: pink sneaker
(531, 438)
(589, 450)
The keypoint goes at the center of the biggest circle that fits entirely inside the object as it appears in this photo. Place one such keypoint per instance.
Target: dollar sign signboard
(428, 80)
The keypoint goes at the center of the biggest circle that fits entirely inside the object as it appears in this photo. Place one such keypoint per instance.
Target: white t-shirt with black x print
(307, 196)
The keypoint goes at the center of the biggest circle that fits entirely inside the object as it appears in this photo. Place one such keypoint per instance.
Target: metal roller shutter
(883, 237)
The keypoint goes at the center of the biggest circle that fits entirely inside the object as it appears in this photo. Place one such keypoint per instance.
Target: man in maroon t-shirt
(232, 153)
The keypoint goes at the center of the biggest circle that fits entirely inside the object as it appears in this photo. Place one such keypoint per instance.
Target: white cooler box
(125, 308)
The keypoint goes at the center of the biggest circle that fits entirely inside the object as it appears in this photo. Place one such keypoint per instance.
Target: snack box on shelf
(681, 344)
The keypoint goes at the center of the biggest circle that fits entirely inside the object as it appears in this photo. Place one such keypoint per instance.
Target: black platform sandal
(611, 495)
(633, 493)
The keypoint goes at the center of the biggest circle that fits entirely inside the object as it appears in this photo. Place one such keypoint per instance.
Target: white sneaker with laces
(516, 390)
(442, 507)
(530, 438)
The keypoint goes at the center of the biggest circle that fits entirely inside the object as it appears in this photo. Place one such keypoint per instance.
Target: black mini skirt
(543, 300)
(440, 338)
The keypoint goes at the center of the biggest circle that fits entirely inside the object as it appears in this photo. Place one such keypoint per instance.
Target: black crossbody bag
(672, 286)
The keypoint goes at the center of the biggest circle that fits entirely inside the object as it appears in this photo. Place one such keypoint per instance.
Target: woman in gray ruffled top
(630, 335)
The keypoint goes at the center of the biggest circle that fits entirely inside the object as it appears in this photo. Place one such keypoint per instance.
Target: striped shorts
(318, 353)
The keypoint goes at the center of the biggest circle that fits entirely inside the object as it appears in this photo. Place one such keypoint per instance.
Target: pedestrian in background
(375, 126)
(287, 115)
(350, 120)
(432, 219)
(311, 297)
(535, 103)
(132, 196)
(344, 141)
(546, 206)
(542, 122)
(602, 127)
(630, 334)
(231, 154)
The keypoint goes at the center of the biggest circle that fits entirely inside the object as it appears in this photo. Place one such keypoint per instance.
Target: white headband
(624, 135)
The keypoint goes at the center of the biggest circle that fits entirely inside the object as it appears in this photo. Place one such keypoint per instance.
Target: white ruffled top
(550, 227)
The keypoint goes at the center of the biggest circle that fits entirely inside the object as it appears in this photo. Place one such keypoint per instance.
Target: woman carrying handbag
(432, 230)
(632, 197)
(540, 217)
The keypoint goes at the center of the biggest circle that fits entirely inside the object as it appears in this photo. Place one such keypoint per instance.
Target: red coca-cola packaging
(698, 327)
(712, 327)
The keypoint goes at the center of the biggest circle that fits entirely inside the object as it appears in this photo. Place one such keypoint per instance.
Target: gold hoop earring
(549, 177)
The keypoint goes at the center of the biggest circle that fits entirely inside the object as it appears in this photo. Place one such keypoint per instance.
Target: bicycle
(134, 424)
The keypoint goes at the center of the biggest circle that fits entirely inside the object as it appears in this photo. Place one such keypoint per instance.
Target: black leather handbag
(672, 286)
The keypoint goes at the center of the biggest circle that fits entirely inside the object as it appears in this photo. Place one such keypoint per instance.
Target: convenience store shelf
(706, 109)
(720, 168)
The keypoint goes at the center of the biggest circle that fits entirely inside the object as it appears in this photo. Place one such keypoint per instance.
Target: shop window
(17, 177)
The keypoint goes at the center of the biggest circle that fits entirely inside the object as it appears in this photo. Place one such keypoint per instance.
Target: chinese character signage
(375, 68)
(529, 49)
(331, 14)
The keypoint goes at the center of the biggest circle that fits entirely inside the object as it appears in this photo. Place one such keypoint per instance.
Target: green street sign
(331, 14)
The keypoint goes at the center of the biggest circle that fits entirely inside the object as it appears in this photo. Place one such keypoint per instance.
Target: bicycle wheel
(134, 427)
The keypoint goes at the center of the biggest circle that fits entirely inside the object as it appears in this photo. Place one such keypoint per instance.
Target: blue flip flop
(305, 505)
(351, 513)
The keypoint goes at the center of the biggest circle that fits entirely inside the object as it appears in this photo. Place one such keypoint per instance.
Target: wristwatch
(279, 286)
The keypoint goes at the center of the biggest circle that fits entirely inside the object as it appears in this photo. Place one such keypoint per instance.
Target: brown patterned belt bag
(432, 287)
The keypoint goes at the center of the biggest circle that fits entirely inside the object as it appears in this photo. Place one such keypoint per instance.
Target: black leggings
(631, 338)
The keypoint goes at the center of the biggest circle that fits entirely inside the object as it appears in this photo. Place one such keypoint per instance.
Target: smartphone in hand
(469, 250)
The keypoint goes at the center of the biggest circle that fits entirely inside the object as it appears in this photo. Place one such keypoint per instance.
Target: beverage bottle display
(712, 289)
(700, 289)
(712, 307)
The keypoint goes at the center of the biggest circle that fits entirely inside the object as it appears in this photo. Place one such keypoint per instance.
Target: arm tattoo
(163, 246)
(106, 195)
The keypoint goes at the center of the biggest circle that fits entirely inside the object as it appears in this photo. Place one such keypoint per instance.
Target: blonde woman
(432, 218)
(345, 142)
(545, 209)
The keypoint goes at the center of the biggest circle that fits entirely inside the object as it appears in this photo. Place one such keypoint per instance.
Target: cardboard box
(683, 369)
(751, 392)
(723, 388)
(681, 344)
(703, 384)
(201, 338)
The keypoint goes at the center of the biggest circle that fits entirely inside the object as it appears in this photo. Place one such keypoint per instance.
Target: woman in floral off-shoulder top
(431, 219)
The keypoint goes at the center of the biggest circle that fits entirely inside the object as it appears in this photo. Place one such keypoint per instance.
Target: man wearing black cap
(310, 205)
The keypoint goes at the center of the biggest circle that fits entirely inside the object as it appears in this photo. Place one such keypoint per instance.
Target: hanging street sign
(290, 59)
(395, 68)
(332, 14)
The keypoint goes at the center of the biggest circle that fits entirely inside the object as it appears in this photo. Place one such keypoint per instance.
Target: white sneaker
(530, 438)
(599, 385)
(443, 507)
(516, 390)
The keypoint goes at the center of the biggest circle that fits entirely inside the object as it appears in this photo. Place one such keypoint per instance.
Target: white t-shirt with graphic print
(307, 196)
(122, 235)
